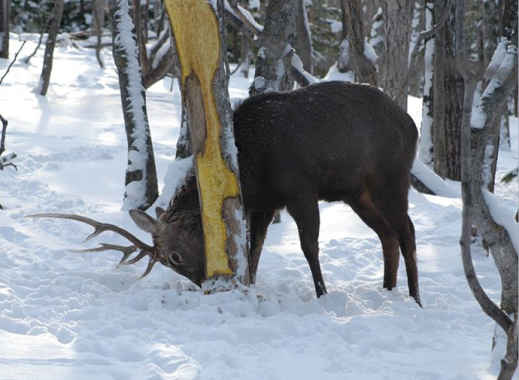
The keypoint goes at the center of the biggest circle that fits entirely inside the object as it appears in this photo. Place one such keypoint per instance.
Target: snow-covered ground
(68, 315)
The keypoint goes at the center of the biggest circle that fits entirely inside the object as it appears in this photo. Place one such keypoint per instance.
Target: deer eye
(175, 258)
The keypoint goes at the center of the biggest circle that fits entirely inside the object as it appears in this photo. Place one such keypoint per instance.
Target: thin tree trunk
(303, 42)
(426, 142)
(99, 21)
(141, 177)
(54, 25)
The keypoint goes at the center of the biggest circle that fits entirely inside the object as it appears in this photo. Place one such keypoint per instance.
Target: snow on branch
(503, 215)
(499, 70)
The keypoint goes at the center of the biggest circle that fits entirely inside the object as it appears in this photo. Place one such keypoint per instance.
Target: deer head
(176, 233)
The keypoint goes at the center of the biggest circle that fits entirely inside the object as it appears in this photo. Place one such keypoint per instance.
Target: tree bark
(278, 35)
(354, 31)
(198, 30)
(394, 65)
(55, 21)
(448, 91)
(4, 28)
(141, 176)
(426, 142)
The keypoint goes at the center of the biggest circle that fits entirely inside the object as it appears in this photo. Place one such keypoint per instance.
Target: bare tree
(482, 111)
(141, 177)
(54, 24)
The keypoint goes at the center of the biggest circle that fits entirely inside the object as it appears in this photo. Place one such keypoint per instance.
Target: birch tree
(198, 31)
(141, 177)
(482, 111)
(48, 56)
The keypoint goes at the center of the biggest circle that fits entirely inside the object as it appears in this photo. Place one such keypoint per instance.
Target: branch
(488, 306)
(237, 12)
(12, 63)
(295, 68)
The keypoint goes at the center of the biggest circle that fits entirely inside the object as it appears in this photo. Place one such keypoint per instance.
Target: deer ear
(159, 211)
(143, 220)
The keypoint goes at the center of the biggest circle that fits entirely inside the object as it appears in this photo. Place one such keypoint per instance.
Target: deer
(332, 141)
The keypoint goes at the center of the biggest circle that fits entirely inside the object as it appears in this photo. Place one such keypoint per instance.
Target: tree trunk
(426, 142)
(99, 22)
(416, 58)
(198, 30)
(54, 22)
(4, 28)
(303, 42)
(278, 34)
(479, 205)
(355, 31)
(448, 91)
(141, 176)
(245, 53)
(394, 66)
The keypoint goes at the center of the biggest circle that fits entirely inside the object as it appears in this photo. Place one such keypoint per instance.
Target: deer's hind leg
(365, 208)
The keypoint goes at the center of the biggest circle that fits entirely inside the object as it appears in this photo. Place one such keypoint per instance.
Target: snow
(66, 315)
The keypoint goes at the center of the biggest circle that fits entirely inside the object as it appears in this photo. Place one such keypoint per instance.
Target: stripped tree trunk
(54, 22)
(141, 176)
(4, 28)
(198, 30)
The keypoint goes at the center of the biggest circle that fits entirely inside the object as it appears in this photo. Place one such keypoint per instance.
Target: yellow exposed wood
(197, 37)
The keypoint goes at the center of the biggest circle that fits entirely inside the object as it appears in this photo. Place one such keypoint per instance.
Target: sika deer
(330, 141)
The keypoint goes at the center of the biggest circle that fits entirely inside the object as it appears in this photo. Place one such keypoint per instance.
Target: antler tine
(135, 259)
(126, 250)
(151, 263)
(98, 227)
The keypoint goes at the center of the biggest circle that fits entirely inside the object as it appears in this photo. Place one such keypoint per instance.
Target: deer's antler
(99, 227)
